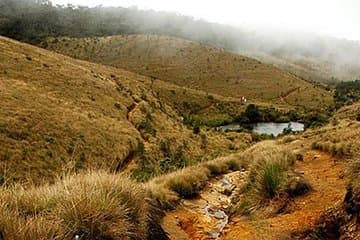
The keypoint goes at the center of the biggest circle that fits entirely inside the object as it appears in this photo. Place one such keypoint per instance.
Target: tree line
(33, 20)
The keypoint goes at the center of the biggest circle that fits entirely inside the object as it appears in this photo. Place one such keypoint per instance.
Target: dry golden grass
(350, 111)
(272, 178)
(340, 140)
(343, 141)
(188, 182)
(60, 115)
(103, 205)
(99, 205)
(197, 66)
(90, 206)
(312, 68)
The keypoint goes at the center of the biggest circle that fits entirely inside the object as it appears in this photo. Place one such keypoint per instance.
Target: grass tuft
(270, 179)
(87, 206)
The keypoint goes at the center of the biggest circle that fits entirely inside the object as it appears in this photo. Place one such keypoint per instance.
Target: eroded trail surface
(205, 217)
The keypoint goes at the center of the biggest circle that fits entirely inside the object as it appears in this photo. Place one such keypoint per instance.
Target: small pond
(266, 128)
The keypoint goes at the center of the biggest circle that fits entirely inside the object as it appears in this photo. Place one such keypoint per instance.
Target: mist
(313, 56)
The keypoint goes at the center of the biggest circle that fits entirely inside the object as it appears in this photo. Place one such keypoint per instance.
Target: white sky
(338, 18)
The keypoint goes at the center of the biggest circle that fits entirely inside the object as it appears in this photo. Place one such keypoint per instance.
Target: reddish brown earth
(322, 171)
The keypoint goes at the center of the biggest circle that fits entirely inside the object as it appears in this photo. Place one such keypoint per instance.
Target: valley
(109, 133)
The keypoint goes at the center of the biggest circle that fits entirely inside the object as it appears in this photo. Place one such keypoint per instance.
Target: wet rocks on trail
(214, 202)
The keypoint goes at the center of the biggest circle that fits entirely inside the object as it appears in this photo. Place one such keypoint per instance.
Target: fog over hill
(313, 57)
(136, 124)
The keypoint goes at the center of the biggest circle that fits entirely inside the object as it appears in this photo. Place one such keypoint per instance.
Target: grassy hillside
(303, 186)
(196, 66)
(313, 57)
(61, 115)
(71, 131)
(313, 68)
(92, 205)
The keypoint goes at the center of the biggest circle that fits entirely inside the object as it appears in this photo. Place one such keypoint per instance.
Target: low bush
(270, 179)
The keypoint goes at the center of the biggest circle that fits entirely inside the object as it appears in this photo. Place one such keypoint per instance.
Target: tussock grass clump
(88, 206)
(288, 139)
(268, 175)
(270, 178)
(222, 166)
(188, 182)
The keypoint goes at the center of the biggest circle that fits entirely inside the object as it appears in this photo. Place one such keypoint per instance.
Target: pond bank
(270, 128)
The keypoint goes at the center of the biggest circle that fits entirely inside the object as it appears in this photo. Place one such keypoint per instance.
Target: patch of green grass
(270, 179)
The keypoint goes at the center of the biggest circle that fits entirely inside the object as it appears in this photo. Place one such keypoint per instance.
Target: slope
(328, 161)
(196, 66)
(61, 115)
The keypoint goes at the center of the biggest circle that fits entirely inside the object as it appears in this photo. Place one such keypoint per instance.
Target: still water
(266, 128)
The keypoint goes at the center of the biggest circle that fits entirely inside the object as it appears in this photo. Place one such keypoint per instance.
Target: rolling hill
(71, 132)
(62, 115)
(197, 66)
(113, 137)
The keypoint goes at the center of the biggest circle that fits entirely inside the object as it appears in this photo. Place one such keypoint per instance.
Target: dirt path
(283, 96)
(205, 217)
(323, 173)
(321, 170)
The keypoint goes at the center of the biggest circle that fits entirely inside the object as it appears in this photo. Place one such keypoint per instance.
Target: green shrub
(143, 174)
(147, 126)
(316, 119)
(270, 179)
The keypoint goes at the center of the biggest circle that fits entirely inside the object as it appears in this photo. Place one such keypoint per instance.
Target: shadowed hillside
(196, 66)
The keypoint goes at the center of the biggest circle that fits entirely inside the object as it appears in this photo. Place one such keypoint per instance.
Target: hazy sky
(339, 18)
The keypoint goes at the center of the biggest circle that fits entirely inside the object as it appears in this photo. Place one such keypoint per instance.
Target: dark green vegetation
(347, 93)
(173, 158)
(33, 20)
(255, 114)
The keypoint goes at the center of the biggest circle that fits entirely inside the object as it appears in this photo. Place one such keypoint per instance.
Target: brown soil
(322, 171)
